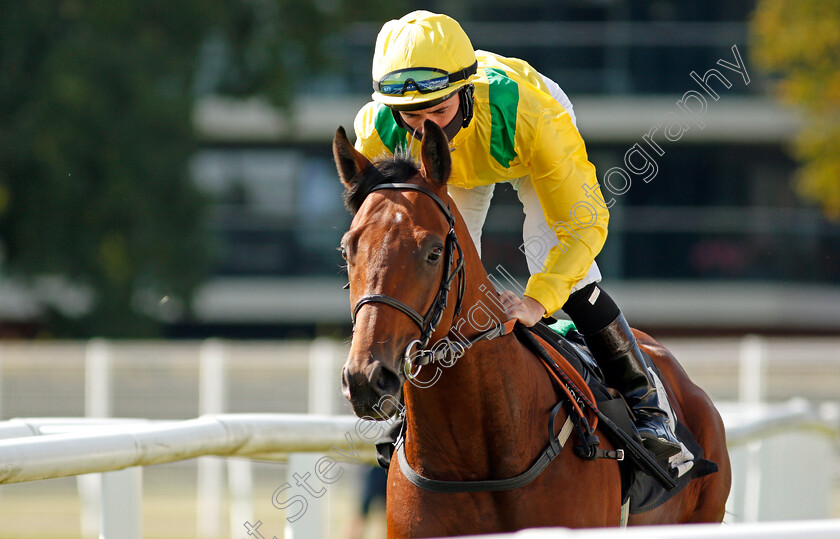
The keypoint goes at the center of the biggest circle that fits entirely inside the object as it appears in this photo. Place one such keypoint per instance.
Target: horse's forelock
(394, 169)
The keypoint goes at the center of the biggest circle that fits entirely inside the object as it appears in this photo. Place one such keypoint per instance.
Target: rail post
(323, 390)
(212, 399)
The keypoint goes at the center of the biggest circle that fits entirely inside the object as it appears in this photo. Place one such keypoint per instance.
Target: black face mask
(451, 129)
(461, 119)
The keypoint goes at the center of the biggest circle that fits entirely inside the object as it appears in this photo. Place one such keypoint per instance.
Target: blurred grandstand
(715, 242)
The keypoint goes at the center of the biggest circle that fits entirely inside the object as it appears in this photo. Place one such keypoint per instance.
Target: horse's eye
(434, 256)
(343, 252)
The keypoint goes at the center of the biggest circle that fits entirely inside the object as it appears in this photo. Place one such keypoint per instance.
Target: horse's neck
(476, 412)
(479, 415)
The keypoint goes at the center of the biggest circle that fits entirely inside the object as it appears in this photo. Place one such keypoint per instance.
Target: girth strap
(551, 451)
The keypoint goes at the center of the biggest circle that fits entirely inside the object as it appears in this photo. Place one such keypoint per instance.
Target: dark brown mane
(398, 168)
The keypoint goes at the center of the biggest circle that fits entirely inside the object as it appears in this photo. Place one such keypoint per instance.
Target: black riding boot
(625, 368)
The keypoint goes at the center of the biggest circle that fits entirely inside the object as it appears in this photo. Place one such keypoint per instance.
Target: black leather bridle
(430, 321)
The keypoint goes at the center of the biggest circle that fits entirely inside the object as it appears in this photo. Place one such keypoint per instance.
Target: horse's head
(401, 252)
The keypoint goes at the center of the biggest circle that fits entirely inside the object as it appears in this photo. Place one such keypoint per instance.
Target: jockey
(507, 123)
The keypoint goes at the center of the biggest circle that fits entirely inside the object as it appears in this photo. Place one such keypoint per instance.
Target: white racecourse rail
(97, 446)
(43, 448)
(828, 529)
(761, 437)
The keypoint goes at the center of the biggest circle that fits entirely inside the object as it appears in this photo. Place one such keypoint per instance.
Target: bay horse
(481, 414)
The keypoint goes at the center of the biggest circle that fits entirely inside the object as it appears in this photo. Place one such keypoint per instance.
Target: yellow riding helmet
(421, 58)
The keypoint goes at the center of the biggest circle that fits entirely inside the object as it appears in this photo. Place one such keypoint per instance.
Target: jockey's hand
(527, 310)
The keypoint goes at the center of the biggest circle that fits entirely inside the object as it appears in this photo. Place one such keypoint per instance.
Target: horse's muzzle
(366, 389)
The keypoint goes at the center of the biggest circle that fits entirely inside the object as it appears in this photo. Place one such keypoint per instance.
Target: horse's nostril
(386, 381)
(345, 378)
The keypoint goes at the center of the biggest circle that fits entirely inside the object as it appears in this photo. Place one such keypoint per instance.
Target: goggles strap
(464, 74)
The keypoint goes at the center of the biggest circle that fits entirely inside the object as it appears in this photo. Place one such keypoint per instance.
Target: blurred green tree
(799, 42)
(96, 133)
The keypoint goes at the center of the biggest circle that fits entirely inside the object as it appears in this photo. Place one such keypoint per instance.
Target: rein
(428, 323)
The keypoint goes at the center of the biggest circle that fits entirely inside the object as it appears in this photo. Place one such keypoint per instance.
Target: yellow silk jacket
(518, 130)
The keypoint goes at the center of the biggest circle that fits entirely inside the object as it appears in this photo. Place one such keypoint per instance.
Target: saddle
(643, 491)
(646, 484)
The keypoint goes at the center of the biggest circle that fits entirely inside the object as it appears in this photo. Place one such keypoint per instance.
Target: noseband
(430, 321)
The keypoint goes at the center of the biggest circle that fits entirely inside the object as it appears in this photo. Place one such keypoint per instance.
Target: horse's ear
(348, 160)
(435, 159)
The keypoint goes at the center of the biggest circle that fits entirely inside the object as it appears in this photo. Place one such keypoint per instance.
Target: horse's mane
(386, 170)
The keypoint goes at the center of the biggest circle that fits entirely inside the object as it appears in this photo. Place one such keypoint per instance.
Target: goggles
(421, 79)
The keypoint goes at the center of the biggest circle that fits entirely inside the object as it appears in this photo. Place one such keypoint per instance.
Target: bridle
(454, 349)
(428, 323)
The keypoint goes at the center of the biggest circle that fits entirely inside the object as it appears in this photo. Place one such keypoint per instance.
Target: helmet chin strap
(461, 119)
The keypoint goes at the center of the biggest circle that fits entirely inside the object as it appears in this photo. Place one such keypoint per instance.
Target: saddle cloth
(643, 492)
